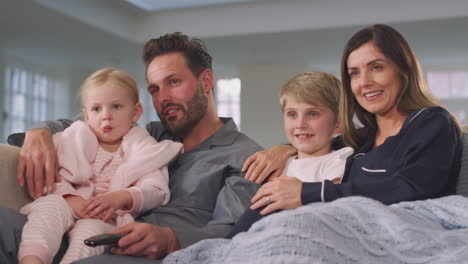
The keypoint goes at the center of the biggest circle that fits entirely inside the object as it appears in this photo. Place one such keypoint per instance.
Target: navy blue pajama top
(422, 161)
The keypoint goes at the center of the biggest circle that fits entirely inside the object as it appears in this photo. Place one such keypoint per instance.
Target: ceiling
(221, 18)
(159, 5)
(97, 32)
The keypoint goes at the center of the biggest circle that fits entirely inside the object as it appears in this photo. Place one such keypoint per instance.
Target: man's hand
(266, 163)
(280, 193)
(37, 162)
(146, 240)
(104, 206)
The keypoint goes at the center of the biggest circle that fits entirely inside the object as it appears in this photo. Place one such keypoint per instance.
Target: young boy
(309, 102)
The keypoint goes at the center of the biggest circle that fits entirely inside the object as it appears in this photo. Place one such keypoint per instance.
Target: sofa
(13, 196)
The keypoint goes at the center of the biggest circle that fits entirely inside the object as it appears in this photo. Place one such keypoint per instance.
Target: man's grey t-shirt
(208, 192)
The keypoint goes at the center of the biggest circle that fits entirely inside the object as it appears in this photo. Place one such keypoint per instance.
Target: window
(27, 100)
(451, 87)
(228, 99)
(448, 85)
(149, 113)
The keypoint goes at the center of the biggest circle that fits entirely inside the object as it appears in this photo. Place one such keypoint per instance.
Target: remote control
(103, 239)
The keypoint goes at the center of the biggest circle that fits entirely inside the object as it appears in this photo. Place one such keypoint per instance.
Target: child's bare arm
(105, 206)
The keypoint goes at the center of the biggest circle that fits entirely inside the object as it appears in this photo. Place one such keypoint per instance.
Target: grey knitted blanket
(348, 230)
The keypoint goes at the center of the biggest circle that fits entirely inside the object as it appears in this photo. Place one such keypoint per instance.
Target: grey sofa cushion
(462, 185)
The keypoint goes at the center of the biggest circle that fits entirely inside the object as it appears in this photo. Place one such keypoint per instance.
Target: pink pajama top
(142, 166)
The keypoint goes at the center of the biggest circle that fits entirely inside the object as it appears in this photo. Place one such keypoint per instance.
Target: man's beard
(196, 110)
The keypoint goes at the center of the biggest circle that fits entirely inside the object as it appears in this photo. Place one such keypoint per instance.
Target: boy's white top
(320, 168)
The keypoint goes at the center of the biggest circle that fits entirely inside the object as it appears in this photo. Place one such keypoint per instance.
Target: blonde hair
(414, 93)
(313, 88)
(104, 75)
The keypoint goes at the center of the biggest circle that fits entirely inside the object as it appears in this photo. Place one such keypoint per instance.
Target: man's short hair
(194, 51)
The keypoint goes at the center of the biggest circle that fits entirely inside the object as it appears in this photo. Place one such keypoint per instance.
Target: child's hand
(76, 202)
(104, 206)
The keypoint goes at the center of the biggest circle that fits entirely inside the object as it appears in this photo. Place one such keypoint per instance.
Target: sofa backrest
(462, 184)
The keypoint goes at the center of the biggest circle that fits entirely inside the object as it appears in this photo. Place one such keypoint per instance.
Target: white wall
(276, 40)
(98, 13)
(64, 48)
(260, 109)
(439, 44)
(259, 17)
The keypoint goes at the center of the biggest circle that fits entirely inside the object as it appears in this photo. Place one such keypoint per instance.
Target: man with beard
(208, 192)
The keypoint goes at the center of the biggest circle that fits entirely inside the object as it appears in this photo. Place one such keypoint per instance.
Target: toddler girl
(110, 170)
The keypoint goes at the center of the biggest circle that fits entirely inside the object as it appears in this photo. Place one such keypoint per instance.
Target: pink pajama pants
(50, 217)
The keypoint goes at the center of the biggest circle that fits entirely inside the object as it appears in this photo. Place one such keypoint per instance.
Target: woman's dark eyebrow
(376, 60)
(369, 63)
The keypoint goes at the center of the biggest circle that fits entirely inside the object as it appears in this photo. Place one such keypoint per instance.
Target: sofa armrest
(11, 194)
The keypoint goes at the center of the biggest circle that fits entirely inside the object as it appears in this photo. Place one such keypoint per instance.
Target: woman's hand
(104, 206)
(266, 163)
(146, 240)
(280, 193)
